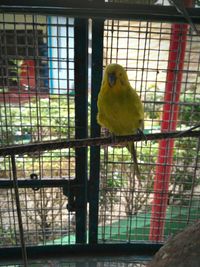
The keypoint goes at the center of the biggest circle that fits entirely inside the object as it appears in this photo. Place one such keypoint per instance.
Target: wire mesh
(37, 104)
(142, 47)
(44, 216)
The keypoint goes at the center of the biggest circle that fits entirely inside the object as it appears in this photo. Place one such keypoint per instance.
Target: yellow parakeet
(120, 109)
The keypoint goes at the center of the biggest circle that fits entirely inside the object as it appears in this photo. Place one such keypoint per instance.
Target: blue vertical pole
(50, 55)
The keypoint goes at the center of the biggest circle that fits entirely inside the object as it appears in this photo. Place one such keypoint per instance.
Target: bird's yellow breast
(120, 110)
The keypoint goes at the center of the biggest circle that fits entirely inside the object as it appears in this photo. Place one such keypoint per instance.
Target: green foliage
(189, 108)
(119, 185)
(8, 237)
(38, 120)
(185, 177)
(41, 119)
(185, 154)
(153, 104)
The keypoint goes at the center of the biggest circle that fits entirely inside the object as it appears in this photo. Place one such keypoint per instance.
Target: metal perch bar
(74, 143)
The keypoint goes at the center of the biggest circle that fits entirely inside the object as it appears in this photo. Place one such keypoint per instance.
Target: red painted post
(169, 122)
(27, 75)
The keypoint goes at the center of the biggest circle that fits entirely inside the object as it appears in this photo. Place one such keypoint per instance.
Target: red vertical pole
(27, 75)
(169, 121)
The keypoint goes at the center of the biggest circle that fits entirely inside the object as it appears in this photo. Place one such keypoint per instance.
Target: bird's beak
(111, 78)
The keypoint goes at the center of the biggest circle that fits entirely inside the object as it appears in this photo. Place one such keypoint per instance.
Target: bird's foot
(140, 132)
(113, 138)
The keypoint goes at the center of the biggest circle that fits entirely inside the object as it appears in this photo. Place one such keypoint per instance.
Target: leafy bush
(41, 119)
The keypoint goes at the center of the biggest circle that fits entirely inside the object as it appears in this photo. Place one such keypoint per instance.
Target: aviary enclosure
(66, 187)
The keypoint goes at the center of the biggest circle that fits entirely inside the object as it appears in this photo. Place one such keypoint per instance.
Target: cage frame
(97, 13)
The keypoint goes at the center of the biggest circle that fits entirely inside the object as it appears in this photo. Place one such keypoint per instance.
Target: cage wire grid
(142, 48)
(30, 114)
(37, 103)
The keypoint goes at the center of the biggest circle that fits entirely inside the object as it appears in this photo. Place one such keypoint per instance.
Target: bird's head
(115, 74)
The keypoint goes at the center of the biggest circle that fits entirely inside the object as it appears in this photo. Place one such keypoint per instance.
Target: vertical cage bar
(81, 122)
(19, 216)
(97, 65)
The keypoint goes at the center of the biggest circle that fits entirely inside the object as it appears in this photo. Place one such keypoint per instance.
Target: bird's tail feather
(132, 150)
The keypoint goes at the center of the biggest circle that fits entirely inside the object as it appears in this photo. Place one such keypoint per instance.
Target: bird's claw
(113, 138)
(140, 132)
